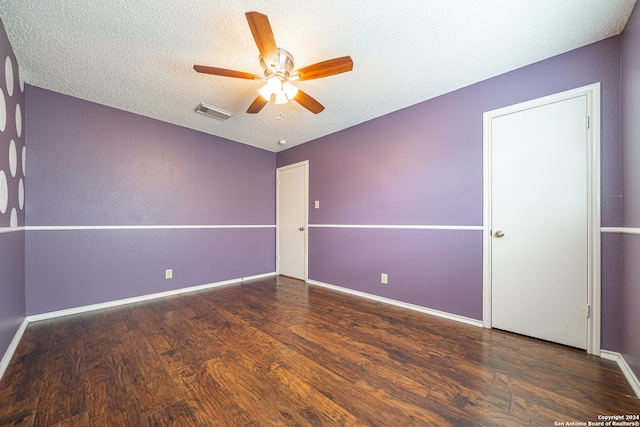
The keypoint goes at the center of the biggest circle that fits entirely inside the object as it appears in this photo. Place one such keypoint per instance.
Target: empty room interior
(331, 213)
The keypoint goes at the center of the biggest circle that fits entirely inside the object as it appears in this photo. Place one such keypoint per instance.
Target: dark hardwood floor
(278, 352)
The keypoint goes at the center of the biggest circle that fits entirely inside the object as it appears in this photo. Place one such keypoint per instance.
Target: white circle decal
(24, 160)
(4, 193)
(20, 80)
(3, 112)
(13, 158)
(8, 74)
(21, 194)
(18, 120)
(13, 222)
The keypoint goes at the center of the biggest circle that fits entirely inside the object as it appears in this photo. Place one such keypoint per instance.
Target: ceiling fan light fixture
(280, 87)
(289, 90)
(272, 86)
(265, 92)
(281, 97)
(274, 83)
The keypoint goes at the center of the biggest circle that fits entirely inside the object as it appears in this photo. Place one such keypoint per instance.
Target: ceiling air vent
(214, 112)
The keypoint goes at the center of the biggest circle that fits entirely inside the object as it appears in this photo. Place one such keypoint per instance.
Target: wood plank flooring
(276, 352)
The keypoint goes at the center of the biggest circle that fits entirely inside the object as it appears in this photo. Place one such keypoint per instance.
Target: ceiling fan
(279, 70)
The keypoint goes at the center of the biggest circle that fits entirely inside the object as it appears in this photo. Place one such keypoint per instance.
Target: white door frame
(304, 163)
(592, 93)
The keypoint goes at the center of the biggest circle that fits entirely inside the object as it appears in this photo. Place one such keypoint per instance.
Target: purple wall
(12, 262)
(631, 184)
(423, 166)
(91, 165)
(429, 268)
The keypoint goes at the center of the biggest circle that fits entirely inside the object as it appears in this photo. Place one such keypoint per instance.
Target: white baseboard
(450, 316)
(86, 308)
(624, 367)
(4, 363)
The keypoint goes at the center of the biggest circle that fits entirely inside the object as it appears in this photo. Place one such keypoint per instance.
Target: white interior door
(292, 220)
(540, 222)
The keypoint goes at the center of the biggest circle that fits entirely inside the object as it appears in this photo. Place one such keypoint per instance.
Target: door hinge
(587, 122)
(587, 310)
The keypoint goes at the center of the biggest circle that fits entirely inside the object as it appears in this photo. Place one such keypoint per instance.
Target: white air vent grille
(214, 112)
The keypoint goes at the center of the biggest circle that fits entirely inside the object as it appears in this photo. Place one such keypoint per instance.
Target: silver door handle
(498, 234)
(301, 228)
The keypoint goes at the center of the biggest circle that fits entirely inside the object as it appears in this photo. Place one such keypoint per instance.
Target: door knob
(301, 228)
(498, 233)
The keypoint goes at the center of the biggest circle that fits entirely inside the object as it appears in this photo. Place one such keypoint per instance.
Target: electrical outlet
(384, 278)
(168, 273)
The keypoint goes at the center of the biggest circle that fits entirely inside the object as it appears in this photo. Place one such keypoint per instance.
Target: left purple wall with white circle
(12, 149)
(12, 196)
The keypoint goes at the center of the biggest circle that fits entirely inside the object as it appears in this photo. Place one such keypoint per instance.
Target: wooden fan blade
(257, 105)
(326, 68)
(308, 102)
(226, 73)
(263, 36)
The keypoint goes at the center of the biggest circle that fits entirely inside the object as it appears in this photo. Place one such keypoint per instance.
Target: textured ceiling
(139, 55)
